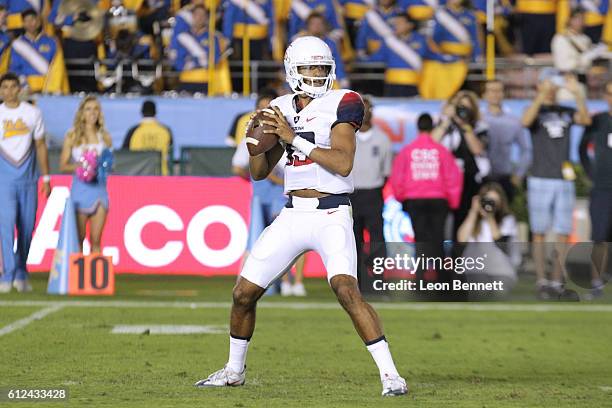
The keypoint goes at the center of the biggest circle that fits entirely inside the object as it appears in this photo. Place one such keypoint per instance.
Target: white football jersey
(314, 123)
(18, 128)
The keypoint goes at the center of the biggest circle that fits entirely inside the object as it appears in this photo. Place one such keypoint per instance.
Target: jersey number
(296, 157)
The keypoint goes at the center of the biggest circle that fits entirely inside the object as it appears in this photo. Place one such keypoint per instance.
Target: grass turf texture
(309, 357)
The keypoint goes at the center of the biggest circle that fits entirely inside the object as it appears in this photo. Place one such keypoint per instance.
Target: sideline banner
(162, 225)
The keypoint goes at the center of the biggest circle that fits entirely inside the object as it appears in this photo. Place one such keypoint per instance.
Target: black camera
(465, 114)
(488, 204)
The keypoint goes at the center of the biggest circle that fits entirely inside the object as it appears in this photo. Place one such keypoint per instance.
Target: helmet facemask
(308, 85)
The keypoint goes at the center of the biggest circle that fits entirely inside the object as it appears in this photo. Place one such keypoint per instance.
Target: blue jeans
(18, 211)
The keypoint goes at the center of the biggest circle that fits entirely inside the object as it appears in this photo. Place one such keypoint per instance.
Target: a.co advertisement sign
(167, 225)
(176, 225)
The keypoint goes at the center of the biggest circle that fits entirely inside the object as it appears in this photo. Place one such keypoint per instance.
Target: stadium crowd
(123, 46)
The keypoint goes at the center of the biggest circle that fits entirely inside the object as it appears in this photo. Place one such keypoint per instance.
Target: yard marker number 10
(91, 275)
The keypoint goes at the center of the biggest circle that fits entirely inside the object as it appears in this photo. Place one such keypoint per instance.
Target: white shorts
(327, 231)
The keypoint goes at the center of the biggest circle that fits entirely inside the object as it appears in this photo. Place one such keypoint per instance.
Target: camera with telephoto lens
(465, 114)
(488, 204)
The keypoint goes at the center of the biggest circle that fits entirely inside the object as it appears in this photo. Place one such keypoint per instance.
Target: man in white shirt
(22, 144)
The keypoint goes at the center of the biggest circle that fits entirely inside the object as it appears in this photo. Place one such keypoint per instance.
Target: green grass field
(305, 352)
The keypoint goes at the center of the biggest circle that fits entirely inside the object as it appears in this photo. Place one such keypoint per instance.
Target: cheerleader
(83, 145)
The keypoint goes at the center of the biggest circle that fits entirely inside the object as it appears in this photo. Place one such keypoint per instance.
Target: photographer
(461, 131)
(488, 230)
(489, 219)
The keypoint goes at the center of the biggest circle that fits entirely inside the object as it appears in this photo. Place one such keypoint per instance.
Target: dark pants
(428, 217)
(505, 181)
(537, 31)
(401, 90)
(600, 209)
(367, 214)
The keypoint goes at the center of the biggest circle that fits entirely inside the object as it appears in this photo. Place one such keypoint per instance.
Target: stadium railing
(519, 73)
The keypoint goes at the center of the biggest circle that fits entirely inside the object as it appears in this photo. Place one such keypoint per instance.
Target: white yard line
(21, 323)
(475, 307)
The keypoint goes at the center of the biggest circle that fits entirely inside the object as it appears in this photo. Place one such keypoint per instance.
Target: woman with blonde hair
(462, 132)
(85, 142)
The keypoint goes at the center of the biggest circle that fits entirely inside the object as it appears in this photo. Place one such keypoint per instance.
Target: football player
(316, 126)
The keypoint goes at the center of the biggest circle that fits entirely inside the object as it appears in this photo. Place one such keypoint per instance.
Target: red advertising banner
(162, 225)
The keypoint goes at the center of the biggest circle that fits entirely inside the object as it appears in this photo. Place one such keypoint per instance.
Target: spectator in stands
(5, 42)
(353, 12)
(301, 9)
(37, 58)
(74, 49)
(572, 50)
(254, 19)
(129, 48)
(190, 54)
(463, 133)
(550, 186)
(454, 43)
(150, 134)
(151, 14)
(376, 25)
(538, 25)
(428, 182)
(372, 165)
(402, 54)
(16, 9)
(317, 26)
(595, 12)
(239, 125)
(598, 166)
(421, 11)
(505, 132)
(90, 197)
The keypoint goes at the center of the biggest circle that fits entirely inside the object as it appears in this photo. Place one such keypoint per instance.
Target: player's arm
(338, 159)
(262, 164)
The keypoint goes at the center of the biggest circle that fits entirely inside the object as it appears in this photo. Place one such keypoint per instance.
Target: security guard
(149, 134)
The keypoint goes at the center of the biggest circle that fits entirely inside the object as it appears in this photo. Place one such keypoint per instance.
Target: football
(257, 141)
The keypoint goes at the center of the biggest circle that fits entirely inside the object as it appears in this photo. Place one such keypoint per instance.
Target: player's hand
(280, 125)
(46, 189)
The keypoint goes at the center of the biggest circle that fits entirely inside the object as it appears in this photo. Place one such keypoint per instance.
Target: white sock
(382, 357)
(237, 354)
